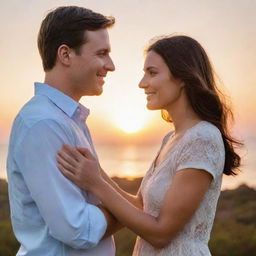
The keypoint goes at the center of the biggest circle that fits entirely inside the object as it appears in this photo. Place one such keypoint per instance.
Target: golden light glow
(129, 125)
(130, 120)
(130, 166)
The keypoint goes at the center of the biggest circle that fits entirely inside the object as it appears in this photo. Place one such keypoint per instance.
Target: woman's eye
(152, 73)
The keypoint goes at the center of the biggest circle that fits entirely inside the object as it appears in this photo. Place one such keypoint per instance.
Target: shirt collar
(82, 112)
(61, 100)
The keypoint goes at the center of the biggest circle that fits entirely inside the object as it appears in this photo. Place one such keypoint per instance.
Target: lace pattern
(201, 147)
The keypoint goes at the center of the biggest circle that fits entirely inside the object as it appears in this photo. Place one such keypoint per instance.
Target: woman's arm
(181, 200)
(136, 200)
(180, 203)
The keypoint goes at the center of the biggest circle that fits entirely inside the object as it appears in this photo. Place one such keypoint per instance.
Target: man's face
(91, 65)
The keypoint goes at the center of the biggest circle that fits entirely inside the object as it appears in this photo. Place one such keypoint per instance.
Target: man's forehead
(98, 39)
(100, 34)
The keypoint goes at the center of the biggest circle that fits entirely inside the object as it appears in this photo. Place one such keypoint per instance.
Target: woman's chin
(152, 107)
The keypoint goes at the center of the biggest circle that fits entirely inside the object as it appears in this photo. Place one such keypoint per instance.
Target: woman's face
(161, 88)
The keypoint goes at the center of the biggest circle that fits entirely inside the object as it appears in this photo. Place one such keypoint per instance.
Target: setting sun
(130, 125)
(130, 120)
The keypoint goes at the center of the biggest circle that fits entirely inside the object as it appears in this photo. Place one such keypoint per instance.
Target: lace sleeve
(203, 151)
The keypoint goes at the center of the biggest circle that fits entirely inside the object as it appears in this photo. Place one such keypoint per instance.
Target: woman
(174, 209)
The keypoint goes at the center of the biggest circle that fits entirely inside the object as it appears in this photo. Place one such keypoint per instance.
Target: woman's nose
(142, 83)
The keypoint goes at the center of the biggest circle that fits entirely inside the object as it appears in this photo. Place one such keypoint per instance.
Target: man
(50, 215)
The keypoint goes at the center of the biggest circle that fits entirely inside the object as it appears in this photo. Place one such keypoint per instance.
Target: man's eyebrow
(105, 50)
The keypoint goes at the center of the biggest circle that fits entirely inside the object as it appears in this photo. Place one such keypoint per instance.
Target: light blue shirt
(50, 215)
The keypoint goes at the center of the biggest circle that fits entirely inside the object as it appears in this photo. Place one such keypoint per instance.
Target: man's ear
(64, 54)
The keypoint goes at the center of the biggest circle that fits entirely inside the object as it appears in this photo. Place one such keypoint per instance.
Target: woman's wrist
(98, 188)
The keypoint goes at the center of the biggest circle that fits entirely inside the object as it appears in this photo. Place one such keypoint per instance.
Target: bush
(8, 244)
(231, 238)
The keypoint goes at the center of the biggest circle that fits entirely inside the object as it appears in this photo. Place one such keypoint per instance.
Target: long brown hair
(188, 61)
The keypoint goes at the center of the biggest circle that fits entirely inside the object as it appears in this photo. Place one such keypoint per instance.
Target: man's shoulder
(38, 117)
(39, 109)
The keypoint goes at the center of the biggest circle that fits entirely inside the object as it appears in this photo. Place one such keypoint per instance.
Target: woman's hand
(80, 166)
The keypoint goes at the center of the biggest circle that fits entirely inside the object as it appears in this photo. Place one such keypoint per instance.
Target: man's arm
(61, 204)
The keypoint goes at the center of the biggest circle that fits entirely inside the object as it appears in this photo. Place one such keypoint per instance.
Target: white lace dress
(200, 147)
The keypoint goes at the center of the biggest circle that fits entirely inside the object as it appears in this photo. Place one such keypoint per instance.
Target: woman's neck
(183, 116)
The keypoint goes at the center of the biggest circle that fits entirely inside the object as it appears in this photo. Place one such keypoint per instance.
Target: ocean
(133, 161)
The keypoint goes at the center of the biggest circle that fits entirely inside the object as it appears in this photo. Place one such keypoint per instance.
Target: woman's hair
(187, 61)
(67, 25)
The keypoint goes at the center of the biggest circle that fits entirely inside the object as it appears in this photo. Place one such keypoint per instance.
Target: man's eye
(102, 53)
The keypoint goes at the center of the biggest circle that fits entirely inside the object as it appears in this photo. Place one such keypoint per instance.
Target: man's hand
(113, 224)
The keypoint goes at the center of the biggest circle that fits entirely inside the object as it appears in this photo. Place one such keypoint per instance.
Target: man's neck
(59, 82)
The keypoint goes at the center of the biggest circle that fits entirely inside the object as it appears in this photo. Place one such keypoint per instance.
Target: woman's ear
(63, 54)
(182, 84)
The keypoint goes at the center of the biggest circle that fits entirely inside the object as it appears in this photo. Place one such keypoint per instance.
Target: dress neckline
(154, 166)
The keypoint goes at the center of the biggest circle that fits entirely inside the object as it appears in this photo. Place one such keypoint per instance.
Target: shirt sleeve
(205, 152)
(69, 217)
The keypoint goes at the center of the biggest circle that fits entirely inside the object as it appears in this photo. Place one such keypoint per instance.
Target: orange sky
(226, 29)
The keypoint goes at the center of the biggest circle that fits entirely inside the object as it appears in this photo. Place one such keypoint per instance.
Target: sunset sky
(226, 29)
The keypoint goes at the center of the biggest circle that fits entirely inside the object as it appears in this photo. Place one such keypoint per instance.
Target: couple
(62, 202)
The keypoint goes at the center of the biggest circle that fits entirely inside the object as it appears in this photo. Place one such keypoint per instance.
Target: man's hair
(67, 25)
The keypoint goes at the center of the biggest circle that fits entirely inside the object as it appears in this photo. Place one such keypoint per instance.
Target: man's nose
(110, 65)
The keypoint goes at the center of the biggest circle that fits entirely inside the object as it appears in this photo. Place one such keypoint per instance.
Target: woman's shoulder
(205, 130)
(205, 133)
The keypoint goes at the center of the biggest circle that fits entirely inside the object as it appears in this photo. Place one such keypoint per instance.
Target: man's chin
(98, 92)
